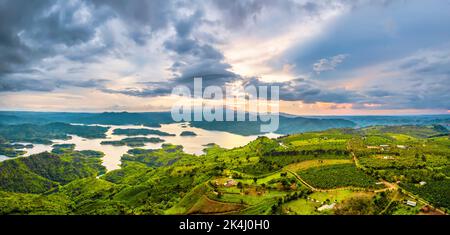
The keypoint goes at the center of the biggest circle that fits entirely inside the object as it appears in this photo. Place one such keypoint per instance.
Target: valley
(380, 170)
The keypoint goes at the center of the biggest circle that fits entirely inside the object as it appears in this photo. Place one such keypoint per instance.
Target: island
(141, 131)
(188, 133)
(10, 151)
(45, 134)
(62, 148)
(133, 142)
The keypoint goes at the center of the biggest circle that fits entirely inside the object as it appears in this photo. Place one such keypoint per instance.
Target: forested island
(133, 141)
(142, 131)
(188, 133)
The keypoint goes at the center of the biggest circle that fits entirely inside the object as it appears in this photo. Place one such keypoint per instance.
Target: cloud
(309, 91)
(327, 64)
(237, 13)
(419, 81)
(372, 32)
(194, 57)
(143, 18)
(30, 32)
(371, 54)
(44, 85)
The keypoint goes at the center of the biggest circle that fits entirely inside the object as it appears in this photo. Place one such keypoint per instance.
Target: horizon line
(281, 113)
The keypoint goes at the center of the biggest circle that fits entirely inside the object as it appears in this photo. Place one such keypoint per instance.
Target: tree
(240, 186)
(255, 180)
(362, 205)
(424, 158)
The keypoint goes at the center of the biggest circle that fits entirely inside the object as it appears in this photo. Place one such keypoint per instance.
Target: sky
(340, 57)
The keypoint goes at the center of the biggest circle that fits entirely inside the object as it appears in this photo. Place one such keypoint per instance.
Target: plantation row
(336, 176)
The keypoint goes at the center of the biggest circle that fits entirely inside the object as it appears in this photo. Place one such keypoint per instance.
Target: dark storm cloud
(155, 13)
(14, 17)
(30, 84)
(190, 47)
(309, 91)
(236, 13)
(142, 17)
(368, 34)
(152, 90)
(195, 58)
(33, 30)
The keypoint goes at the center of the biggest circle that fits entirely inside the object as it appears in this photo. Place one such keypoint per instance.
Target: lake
(191, 144)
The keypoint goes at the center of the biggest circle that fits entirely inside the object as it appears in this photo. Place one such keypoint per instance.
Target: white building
(411, 203)
(326, 207)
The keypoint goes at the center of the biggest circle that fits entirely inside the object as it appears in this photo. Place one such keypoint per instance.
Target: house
(401, 146)
(388, 157)
(230, 183)
(373, 147)
(411, 203)
(326, 207)
(422, 183)
(384, 147)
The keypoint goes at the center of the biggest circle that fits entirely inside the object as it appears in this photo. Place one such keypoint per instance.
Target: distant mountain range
(421, 120)
(288, 123)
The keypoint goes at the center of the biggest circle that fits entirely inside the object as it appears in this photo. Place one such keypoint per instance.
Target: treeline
(44, 134)
(308, 152)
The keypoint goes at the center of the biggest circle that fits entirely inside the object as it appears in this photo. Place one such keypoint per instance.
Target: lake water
(191, 144)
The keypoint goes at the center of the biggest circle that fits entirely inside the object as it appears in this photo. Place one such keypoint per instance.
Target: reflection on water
(191, 144)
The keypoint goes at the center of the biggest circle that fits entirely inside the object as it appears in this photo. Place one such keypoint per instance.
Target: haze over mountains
(288, 123)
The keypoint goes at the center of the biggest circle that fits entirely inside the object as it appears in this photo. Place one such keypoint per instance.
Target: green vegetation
(43, 134)
(141, 131)
(373, 170)
(437, 191)
(10, 150)
(165, 156)
(133, 141)
(34, 204)
(43, 172)
(337, 176)
(188, 133)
